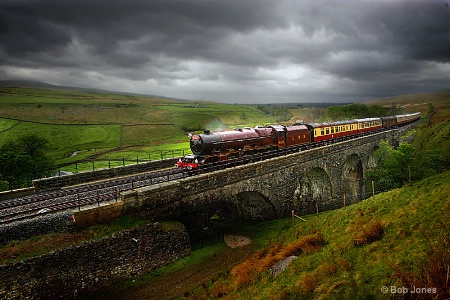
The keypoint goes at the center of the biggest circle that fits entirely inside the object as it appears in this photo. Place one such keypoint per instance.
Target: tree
(356, 111)
(391, 169)
(24, 159)
(33, 145)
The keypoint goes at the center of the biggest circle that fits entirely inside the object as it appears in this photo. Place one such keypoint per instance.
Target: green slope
(410, 248)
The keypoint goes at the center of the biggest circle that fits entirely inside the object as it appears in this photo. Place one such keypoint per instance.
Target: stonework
(308, 181)
(71, 272)
(54, 183)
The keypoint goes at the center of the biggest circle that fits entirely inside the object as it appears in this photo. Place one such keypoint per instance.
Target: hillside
(395, 240)
(80, 123)
(416, 102)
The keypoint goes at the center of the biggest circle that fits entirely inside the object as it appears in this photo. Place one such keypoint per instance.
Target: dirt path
(178, 283)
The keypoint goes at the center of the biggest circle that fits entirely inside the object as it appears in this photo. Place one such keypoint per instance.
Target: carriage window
(332, 130)
(328, 130)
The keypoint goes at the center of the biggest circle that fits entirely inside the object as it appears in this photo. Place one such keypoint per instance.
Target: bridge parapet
(304, 181)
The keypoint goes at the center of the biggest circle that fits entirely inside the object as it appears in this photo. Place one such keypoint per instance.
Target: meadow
(81, 126)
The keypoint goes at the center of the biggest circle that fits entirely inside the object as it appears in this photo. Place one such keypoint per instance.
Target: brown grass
(369, 234)
(251, 269)
(38, 246)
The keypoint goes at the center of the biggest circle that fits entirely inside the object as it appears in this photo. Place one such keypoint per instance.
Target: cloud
(231, 50)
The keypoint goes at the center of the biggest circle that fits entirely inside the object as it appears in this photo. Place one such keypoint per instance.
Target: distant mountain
(44, 85)
(26, 83)
(412, 99)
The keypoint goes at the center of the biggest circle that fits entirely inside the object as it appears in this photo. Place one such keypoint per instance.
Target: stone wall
(11, 194)
(44, 224)
(76, 270)
(89, 216)
(56, 182)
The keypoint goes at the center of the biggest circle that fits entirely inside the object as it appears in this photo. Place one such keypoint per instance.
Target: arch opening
(249, 206)
(352, 183)
(314, 189)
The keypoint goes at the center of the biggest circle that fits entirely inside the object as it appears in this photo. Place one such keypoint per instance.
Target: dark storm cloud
(231, 50)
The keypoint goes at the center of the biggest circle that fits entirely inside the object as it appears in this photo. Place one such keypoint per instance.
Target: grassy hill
(85, 122)
(395, 239)
(371, 250)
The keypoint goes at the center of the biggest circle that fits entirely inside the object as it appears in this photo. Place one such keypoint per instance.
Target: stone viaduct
(321, 178)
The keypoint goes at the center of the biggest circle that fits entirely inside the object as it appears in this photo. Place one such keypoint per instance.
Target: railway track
(76, 197)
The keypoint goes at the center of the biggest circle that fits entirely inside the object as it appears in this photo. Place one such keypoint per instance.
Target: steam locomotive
(224, 145)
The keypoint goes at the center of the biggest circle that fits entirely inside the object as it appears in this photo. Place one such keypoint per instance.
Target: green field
(112, 127)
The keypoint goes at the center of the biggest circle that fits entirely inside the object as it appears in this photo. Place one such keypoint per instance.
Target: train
(209, 147)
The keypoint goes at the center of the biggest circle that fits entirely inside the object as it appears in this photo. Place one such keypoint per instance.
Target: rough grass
(252, 268)
(399, 238)
(19, 250)
(368, 234)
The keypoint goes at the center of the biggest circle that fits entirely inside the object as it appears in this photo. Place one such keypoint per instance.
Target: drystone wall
(74, 271)
(56, 182)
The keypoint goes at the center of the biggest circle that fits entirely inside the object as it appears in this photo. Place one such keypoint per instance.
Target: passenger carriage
(369, 124)
(331, 130)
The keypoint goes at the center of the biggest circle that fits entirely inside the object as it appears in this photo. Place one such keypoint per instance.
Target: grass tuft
(371, 233)
(251, 269)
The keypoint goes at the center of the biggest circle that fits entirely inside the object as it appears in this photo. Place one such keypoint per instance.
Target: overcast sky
(235, 51)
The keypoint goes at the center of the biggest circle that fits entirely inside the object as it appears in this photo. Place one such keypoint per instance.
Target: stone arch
(249, 206)
(314, 188)
(352, 184)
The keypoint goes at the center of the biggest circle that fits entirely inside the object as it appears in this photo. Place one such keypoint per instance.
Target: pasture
(82, 125)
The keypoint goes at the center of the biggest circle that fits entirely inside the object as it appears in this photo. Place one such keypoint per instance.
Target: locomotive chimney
(207, 131)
